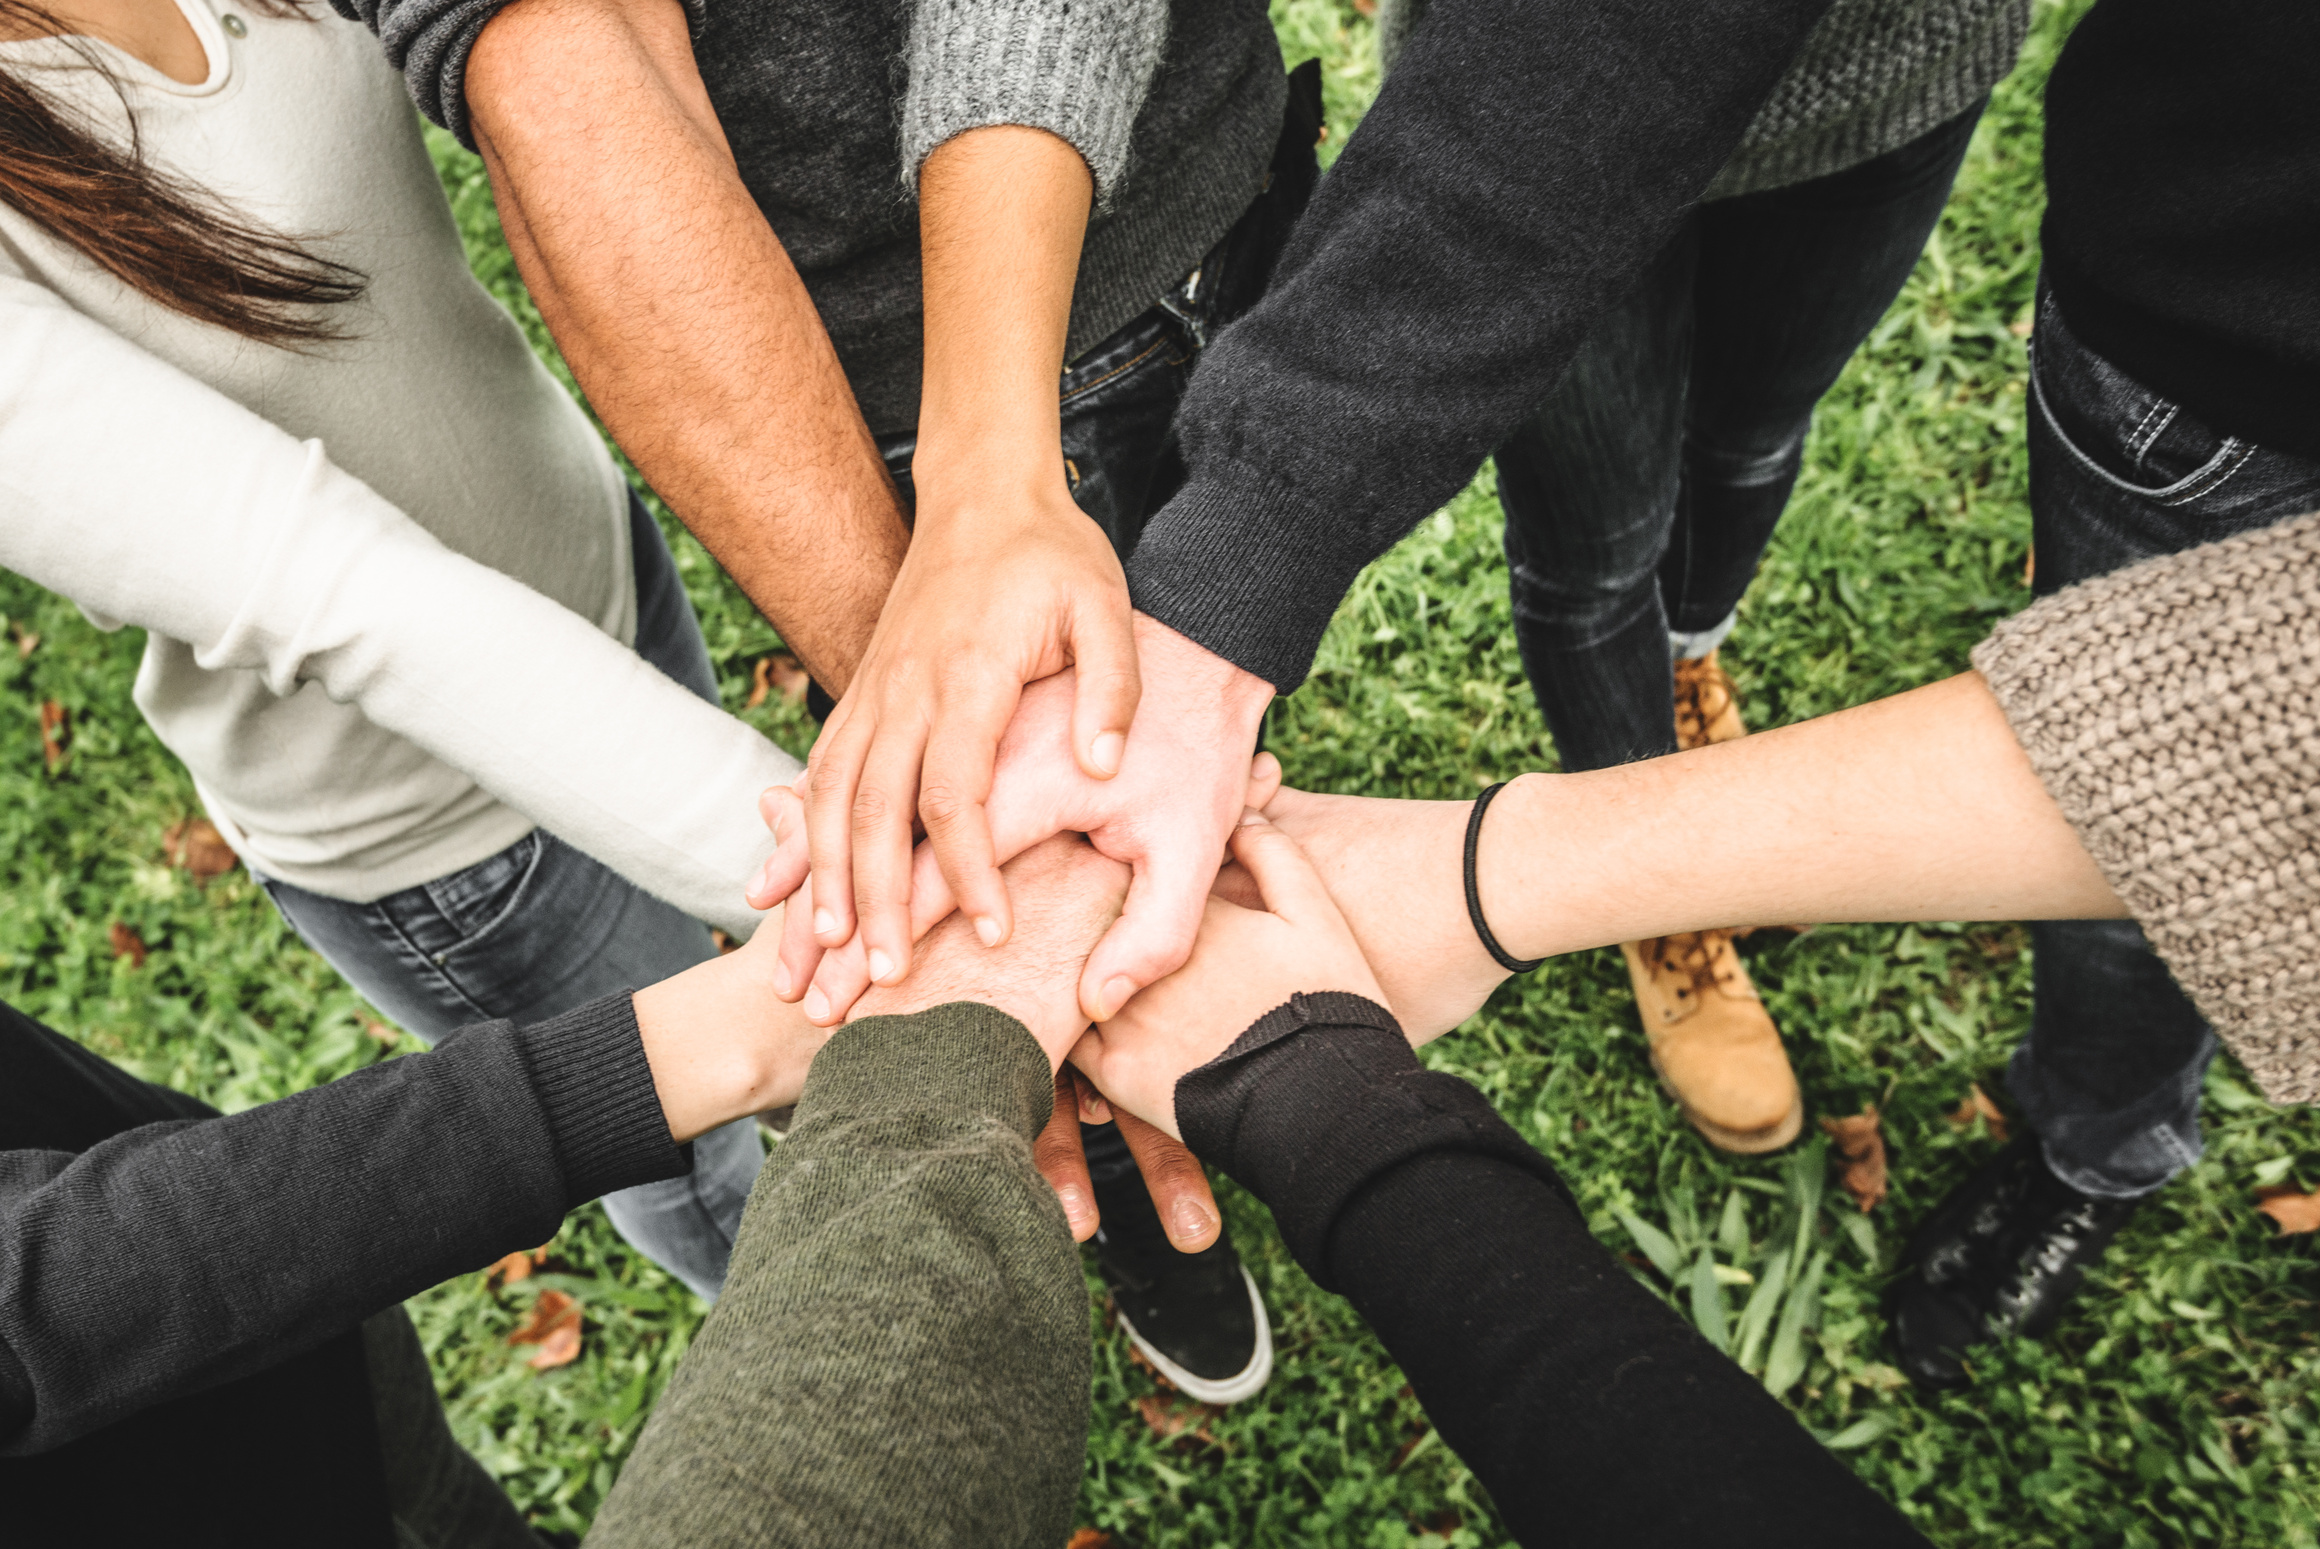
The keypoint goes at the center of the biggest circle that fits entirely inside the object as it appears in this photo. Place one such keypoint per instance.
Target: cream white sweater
(386, 582)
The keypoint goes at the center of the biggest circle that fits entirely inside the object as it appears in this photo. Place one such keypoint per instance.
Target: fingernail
(1192, 1222)
(824, 922)
(880, 965)
(1075, 1205)
(1116, 993)
(1105, 752)
(764, 883)
(781, 979)
(817, 1004)
(988, 929)
(1250, 816)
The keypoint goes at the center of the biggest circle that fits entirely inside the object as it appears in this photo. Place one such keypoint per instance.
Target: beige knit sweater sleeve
(2173, 710)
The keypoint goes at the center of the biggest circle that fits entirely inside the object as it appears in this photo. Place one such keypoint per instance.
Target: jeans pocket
(453, 914)
(2119, 431)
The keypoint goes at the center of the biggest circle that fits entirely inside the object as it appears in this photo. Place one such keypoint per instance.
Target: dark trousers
(2110, 1075)
(1641, 494)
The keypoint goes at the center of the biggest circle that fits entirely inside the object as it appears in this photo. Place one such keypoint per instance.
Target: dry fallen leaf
(1167, 1417)
(196, 845)
(780, 673)
(2296, 1211)
(55, 732)
(555, 1327)
(383, 1033)
(518, 1266)
(1089, 1538)
(1861, 1156)
(1977, 1105)
(26, 641)
(127, 943)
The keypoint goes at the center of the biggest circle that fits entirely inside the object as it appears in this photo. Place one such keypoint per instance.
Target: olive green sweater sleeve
(900, 1355)
(2169, 710)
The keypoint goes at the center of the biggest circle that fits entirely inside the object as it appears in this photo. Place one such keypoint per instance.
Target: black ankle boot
(2002, 1256)
(1195, 1316)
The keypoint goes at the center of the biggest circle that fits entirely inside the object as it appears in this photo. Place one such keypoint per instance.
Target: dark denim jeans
(2110, 1075)
(1640, 495)
(540, 928)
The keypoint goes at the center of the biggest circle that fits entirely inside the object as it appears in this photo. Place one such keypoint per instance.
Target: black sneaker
(2002, 1256)
(1197, 1317)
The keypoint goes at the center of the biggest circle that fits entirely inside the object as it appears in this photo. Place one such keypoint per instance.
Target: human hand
(720, 1044)
(1246, 962)
(1397, 872)
(1002, 589)
(1167, 813)
(1070, 893)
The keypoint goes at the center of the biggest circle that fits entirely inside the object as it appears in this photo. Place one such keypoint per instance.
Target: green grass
(2171, 1408)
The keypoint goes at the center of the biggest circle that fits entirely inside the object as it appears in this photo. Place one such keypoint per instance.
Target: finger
(1057, 1155)
(1154, 933)
(1264, 781)
(800, 953)
(884, 804)
(833, 772)
(1292, 888)
(1234, 885)
(838, 982)
(1093, 1108)
(786, 869)
(1177, 1183)
(1103, 653)
(960, 753)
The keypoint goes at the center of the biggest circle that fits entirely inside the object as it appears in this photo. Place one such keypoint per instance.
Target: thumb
(1264, 782)
(1153, 935)
(1291, 887)
(1103, 654)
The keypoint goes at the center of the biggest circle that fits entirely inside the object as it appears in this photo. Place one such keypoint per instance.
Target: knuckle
(944, 808)
(873, 810)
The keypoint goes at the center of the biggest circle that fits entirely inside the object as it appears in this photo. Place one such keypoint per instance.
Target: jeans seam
(507, 911)
(2146, 433)
(1116, 372)
(429, 964)
(2204, 480)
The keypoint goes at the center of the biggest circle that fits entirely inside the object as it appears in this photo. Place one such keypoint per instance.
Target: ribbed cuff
(1080, 72)
(959, 1060)
(595, 1089)
(1247, 567)
(1320, 1097)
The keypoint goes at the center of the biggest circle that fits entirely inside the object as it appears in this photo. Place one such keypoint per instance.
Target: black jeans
(1640, 495)
(2110, 1075)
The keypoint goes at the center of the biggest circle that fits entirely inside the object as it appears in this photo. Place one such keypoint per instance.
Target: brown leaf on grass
(196, 845)
(1365, 8)
(1860, 1143)
(1402, 1452)
(518, 1266)
(1170, 1417)
(55, 732)
(780, 673)
(555, 1327)
(1977, 1105)
(26, 641)
(383, 1033)
(2296, 1211)
(127, 943)
(1089, 1538)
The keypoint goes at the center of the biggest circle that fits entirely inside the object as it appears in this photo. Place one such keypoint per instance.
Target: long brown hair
(153, 232)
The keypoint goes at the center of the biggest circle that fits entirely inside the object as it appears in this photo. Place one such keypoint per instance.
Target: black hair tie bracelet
(1506, 959)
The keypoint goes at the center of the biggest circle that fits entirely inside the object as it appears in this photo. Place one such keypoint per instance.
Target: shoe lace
(1691, 957)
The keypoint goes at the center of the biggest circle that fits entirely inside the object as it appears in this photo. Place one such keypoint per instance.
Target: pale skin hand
(1167, 813)
(681, 314)
(1070, 893)
(721, 1046)
(1246, 962)
(1006, 582)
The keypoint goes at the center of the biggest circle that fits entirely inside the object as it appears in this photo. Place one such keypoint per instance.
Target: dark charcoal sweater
(2182, 234)
(196, 1249)
(1574, 1394)
(1524, 161)
(830, 108)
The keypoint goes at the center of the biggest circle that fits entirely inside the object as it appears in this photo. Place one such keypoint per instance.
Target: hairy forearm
(681, 314)
(1918, 807)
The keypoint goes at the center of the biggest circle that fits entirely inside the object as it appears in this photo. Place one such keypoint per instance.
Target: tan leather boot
(1712, 1041)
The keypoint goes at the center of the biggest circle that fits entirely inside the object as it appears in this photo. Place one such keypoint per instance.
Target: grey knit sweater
(1874, 75)
(830, 108)
(2173, 711)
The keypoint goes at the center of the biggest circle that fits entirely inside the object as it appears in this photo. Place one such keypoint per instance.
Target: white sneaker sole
(1216, 1390)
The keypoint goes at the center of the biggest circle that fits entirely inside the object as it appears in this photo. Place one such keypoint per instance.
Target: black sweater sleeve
(1523, 163)
(1593, 1414)
(140, 1263)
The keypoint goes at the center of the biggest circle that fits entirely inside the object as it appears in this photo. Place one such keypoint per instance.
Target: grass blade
(1708, 1302)
(1756, 1317)
(1786, 1363)
(1657, 1246)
